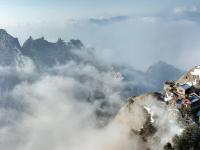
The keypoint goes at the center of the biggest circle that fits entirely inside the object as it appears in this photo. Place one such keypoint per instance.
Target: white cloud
(152, 37)
(56, 112)
(185, 9)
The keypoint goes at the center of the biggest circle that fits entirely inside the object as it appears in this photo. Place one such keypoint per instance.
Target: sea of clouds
(70, 106)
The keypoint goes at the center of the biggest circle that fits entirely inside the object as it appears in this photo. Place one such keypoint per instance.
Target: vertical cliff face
(9, 48)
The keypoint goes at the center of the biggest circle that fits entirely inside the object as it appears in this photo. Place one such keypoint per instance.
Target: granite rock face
(9, 48)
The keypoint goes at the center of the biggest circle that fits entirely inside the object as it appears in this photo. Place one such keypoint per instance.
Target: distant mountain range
(45, 84)
(150, 80)
(42, 52)
(105, 21)
(46, 54)
(171, 116)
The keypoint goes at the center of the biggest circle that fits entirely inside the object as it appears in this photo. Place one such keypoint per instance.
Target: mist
(57, 95)
(73, 105)
(56, 109)
(169, 35)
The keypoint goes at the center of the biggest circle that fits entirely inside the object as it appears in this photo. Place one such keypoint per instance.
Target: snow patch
(196, 71)
(117, 75)
(168, 97)
(149, 110)
(190, 83)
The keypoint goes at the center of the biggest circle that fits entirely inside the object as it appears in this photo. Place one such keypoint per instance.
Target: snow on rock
(116, 75)
(164, 118)
(196, 71)
(191, 83)
(168, 96)
(149, 110)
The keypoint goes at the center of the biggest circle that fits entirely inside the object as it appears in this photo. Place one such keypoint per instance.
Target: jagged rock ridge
(46, 53)
(42, 52)
(9, 48)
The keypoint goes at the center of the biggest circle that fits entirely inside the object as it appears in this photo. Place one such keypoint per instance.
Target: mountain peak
(162, 71)
(30, 38)
(61, 42)
(75, 44)
(7, 41)
(42, 38)
(3, 32)
(9, 48)
(159, 64)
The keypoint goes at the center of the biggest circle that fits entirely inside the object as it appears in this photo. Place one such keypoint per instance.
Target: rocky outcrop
(148, 117)
(192, 76)
(47, 54)
(42, 52)
(9, 48)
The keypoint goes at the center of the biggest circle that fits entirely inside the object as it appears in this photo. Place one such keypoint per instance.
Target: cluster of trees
(188, 140)
(148, 129)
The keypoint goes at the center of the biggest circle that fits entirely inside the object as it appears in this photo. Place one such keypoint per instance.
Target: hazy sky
(21, 12)
(137, 32)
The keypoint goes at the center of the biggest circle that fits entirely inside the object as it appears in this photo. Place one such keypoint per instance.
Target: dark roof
(186, 86)
(193, 98)
(175, 94)
(198, 113)
(179, 101)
